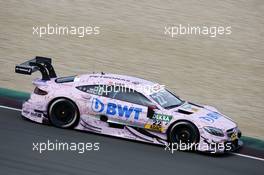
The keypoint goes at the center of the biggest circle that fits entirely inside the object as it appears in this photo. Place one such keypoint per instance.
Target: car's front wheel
(63, 113)
(184, 133)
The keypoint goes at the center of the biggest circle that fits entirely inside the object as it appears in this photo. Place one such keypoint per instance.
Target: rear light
(39, 91)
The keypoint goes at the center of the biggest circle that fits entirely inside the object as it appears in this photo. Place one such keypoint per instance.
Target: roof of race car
(114, 79)
(99, 78)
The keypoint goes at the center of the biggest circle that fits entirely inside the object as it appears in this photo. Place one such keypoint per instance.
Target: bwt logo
(115, 109)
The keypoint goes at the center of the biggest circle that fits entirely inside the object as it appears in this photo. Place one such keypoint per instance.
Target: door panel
(119, 111)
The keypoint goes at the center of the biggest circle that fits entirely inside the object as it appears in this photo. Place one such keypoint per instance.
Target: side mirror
(151, 111)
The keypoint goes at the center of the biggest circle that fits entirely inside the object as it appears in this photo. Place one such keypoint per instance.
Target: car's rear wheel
(184, 133)
(63, 113)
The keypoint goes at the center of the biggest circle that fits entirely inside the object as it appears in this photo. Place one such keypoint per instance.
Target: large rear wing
(41, 64)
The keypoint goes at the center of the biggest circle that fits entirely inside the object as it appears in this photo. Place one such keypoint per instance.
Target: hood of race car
(204, 116)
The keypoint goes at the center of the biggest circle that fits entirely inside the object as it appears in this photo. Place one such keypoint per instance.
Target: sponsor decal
(115, 78)
(211, 117)
(155, 127)
(162, 117)
(33, 114)
(36, 114)
(113, 109)
(234, 136)
(158, 121)
(157, 87)
(25, 111)
(136, 82)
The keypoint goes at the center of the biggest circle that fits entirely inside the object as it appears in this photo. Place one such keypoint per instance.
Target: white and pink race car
(126, 107)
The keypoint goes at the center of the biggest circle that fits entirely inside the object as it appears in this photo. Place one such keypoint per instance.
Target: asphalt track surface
(116, 156)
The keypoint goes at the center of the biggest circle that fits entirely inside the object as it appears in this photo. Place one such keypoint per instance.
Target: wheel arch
(59, 97)
(182, 120)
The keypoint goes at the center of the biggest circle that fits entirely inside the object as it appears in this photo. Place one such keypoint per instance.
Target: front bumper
(235, 145)
(214, 144)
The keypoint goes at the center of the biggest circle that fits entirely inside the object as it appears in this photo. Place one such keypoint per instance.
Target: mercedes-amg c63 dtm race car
(126, 107)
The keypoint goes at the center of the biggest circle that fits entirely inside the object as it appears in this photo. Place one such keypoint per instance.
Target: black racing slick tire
(63, 113)
(184, 132)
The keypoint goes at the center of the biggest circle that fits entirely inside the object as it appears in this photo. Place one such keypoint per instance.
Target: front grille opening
(230, 132)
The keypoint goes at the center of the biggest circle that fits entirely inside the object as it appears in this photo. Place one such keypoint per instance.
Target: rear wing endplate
(41, 64)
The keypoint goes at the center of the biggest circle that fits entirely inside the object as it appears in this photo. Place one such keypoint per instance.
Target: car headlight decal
(214, 131)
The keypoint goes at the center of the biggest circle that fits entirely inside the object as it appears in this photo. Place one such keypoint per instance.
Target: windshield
(166, 99)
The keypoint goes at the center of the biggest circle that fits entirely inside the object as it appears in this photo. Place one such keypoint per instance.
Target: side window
(65, 79)
(131, 96)
(94, 89)
(116, 92)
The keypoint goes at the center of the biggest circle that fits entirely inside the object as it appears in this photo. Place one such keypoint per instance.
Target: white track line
(247, 156)
(237, 154)
(6, 107)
